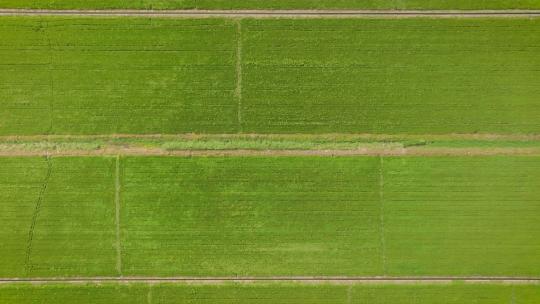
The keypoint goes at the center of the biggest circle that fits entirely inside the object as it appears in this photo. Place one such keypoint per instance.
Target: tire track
(37, 209)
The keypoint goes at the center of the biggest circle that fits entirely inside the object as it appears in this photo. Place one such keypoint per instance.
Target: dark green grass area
(274, 4)
(391, 76)
(279, 293)
(73, 215)
(171, 76)
(310, 216)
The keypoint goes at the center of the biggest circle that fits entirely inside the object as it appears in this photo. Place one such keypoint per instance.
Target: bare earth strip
(270, 145)
(413, 151)
(250, 280)
(281, 13)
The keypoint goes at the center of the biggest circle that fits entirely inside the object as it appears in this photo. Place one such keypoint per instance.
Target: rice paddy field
(281, 293)
(233, 159)
(274, 4)
(311, 216)
(169, 76)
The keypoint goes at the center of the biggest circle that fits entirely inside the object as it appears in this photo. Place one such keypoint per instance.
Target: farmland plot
(250, 216)
(79, 293)
(391, 76)
(462, 216)
(399, 216)
(58, 217)
(310, 216)
(280, 293)
(274, 4)
(171, 76)
(102, 76)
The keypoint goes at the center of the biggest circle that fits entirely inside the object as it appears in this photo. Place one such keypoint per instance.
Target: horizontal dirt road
(142, 151)
(235, 14)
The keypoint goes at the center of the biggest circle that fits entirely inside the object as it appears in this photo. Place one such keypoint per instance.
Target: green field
(269, 160)
(73, 232)
(100, 76)
(354, 216)
(170, 76)
(274, 4)
(281, 293)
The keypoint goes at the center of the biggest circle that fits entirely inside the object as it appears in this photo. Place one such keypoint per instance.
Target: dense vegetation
(170, 76)
(398, 216)
(281, 293)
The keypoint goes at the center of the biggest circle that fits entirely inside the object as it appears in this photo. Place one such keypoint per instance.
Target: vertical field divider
(381, 214)
(117, 216)
(238, 89)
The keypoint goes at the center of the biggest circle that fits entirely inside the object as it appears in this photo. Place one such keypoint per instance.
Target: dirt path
(292, 279)
(413, 151)
(282, 13)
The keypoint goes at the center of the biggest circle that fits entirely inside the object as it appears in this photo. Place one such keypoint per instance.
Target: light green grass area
(281, 293)
(102, 76)
(322, 216)
(274, 4)
(196, 216)
(171, 76)
(73, 214)
(250, 216)
(80, 293)
(462, 215)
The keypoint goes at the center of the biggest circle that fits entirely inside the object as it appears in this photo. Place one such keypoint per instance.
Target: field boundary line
(35, 214)
(149, 295)
(117, 189)
(194, 13)
(45, 29)
(238, 89)
(371, 136)
(381, 214)
(306, 280)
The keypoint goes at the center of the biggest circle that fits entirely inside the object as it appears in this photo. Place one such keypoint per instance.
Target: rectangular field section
(391, 76)
(250, 216)
(169, 76)
(270, 216)
(278, 293)
(399, 216)
(116, 75)
(57, 217)
(462, 216)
